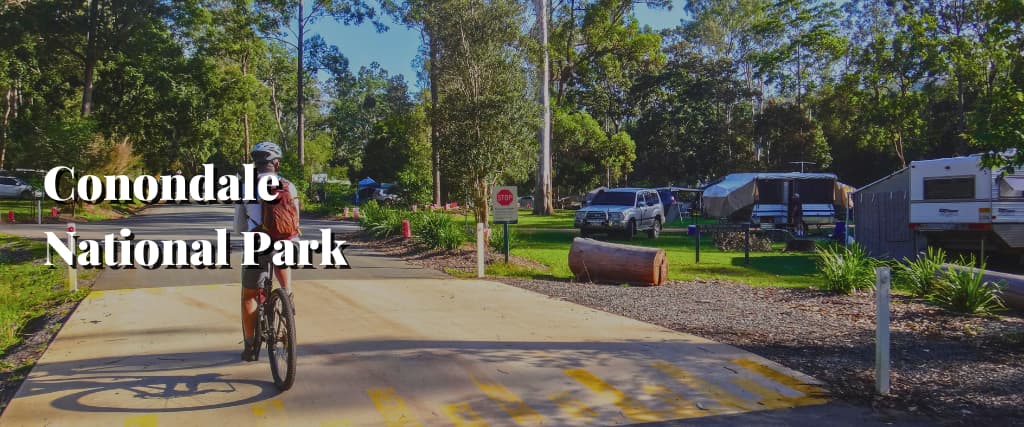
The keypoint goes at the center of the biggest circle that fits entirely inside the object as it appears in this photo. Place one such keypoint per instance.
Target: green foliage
(965, 290)
(920, 277)
(846, 269)
(437, 230)
(497, 242)
(787, 134)
(28, 289)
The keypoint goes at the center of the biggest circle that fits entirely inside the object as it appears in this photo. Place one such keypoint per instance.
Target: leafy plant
(438, 230)
(921, 276)
(965, 290)
(846, 269)
(497, 242)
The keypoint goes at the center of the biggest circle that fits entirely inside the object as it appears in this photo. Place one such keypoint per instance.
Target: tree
(487, 117)
(542, 196)
(290, 18)
(788, 135)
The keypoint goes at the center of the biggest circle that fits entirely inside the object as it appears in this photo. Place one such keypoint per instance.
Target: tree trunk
(91, 57)
(245, 118)
(301, 101)
(435, 152)
(542, 197)
(10, 98)
(594, 260)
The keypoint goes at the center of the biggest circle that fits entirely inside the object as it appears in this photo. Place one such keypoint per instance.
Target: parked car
(386, 194)
(622, 211)
(14, 188)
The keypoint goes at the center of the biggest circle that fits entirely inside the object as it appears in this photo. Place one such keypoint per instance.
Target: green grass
(779, 269)
(27, 289)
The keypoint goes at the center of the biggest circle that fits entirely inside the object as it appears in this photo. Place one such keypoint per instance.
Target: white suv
(15, 188)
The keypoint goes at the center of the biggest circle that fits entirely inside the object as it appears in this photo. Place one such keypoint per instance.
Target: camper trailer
(763, 198)
(959, 204)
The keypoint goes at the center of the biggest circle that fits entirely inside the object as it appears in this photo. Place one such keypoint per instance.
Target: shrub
(497, 242)
(964, 289)
(921, 276)
(438, 230)
(846, 269)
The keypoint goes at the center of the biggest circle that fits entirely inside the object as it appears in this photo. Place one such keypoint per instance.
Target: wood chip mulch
(956, 369)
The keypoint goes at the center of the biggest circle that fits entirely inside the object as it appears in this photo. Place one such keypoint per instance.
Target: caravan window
(819, 191)
(949, 188)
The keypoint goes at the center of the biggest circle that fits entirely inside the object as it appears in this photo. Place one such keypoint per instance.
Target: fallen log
(596, 261)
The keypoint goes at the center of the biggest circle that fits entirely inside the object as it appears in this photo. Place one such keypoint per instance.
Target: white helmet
(266, 151)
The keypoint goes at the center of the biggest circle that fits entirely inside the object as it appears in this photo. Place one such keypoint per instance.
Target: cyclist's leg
(252, 278)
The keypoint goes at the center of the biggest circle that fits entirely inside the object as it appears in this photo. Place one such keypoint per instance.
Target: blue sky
(396, 49)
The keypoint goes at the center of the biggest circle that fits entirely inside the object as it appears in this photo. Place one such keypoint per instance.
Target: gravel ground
(958, 369)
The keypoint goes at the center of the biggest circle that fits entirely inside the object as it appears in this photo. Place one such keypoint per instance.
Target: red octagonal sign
(504, 197)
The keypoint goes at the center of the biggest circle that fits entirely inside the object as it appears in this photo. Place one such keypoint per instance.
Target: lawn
(25, 210)
(780, 269)
(546, 240)
(27, 289)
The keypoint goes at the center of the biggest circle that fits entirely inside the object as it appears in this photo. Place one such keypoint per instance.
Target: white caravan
(958, 203)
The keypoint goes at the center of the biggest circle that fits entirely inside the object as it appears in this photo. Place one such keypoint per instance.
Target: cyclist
(249, 217)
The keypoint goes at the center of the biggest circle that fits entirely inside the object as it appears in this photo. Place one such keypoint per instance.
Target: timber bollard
(882, 330)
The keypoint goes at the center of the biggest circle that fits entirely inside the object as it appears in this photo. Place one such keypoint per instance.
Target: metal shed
(881, 211)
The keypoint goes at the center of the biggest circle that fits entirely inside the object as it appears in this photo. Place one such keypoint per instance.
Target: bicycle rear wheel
(281, 345)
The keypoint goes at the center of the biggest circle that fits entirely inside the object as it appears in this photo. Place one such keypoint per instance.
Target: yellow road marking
(680, 407)
(462, 415)
(812, 395)
(262, 408)
(573, 407)
(770, 399)
(392, 407)
(724, 398)
(629, 406)
(509, 401)
(141, 421)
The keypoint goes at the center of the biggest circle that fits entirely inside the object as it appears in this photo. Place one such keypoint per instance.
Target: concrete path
(378, 347)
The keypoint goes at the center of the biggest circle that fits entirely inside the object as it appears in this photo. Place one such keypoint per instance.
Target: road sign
(506, 210)
(71, 227)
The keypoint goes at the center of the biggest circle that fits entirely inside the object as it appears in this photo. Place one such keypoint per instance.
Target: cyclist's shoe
(249, 353)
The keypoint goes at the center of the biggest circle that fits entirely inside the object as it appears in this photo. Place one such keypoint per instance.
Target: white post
(480, 253)
(882, 331)
(72, 271)
(39, 210)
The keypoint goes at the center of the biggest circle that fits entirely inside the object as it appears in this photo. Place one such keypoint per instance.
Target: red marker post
(355, 213)
(53, 211)
(345, 215)
(10, 217)
(406, 229)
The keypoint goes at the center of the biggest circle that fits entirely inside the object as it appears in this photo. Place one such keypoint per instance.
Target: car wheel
(630, 232)
(655, 230)
(585, 233)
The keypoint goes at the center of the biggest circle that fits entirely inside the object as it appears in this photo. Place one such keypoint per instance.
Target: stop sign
(505, 197)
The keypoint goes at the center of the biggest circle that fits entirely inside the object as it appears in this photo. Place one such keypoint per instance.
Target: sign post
(506, 210)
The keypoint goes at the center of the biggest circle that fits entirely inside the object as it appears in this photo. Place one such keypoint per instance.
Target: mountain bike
(275, 325)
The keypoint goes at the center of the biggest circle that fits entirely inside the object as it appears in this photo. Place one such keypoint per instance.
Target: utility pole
(542, 196)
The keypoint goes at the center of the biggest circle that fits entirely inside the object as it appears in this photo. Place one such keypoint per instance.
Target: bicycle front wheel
(281, 346)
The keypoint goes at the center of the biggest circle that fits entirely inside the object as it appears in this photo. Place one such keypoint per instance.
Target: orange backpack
(280, 217)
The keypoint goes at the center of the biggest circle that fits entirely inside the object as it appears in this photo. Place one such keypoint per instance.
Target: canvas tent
(739, 191)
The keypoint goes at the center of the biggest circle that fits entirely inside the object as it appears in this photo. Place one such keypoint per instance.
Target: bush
(497, 242)
(382, 222)
(846, 269)
(735, 241)
(438, 230)
(965, 289)
(921, 276)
